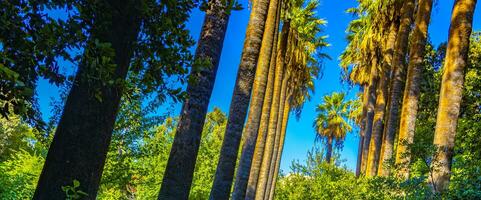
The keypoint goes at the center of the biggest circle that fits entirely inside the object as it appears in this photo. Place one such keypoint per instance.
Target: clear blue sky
(300, 134)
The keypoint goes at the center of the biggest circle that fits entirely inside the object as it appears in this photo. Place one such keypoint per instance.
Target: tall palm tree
(386, 151)
(240, 101)
(412, 90)
(389, 23)
(331, 122)
(451, 91)
(302, 44)
(259, 90)
(398, 69)
(183, 155)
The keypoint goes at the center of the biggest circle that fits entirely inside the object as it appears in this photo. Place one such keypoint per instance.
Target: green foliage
(316, 179)
(72, 192)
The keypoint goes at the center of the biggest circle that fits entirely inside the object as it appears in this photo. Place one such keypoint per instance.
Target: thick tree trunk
(378, 125)
(388, 140)
(451, 91)
(371, 102)
(82, 137)
(240, 101)
(269, 42)
(183, 155)
(278, 137)
(411, 92)
(264, 173)
(398, 66)
(264, 123)
(285, 119)
(329, 149)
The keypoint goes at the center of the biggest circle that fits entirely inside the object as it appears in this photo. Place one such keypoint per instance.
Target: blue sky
(300, 134)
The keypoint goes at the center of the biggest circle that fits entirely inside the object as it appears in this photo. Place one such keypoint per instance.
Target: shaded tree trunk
(82, 137)
(398, 66)
(285, 119)
(371, 102)
(269, 43)
(365, 95)
(240, 101)
(278, 137)
(388, 140)
(183, 155)
(378, 125)
(451, 91)
(329, 149)
(412, 90)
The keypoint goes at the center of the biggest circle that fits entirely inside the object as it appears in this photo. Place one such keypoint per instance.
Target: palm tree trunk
(411, 92)
(262, 137)
(377, 129)
(278, 134)
(388, 140)
(285, 119)
(271, 137)
(240, 101)
(329, 149)
(398, 66)
(359, 169)
(83, 135)
(259, 91)
(359, 156)
(451, 91)
(371, 101)
(183, 155)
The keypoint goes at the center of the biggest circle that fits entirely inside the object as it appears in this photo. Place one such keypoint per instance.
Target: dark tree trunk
(359, 156)
(240, 102)
(79, 147)
(329, 149)
(183, 155)
(371, 102)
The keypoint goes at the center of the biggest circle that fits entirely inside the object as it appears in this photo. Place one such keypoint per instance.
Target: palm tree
(331, 121)
(398, 68)
(259, 90)
(411, 92)
(301, 46)
(240, 101)
(183, 154)
(451, 91)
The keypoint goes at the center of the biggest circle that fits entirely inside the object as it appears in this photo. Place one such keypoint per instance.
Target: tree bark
(266, 110)
(398, 66)
(272, 130)
(412, 90)
(329, 150)
(371, 101)
(388, 140)
(277, 141)
(451, 91)
(269, 42)
(378, 125)
(82, 137)
(240, 101)
(285, 119)
(365, 95)
(183, 155)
